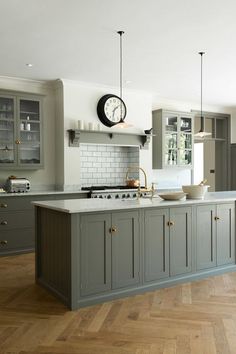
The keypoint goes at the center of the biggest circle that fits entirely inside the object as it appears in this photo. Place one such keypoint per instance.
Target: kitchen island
(91, 250)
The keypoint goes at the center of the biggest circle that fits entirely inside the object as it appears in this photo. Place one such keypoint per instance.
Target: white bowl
(172, 195)
(195, 191)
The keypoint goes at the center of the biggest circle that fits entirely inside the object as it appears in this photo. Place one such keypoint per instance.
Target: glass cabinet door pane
(171, 124)
(186, 124)
(185, 141)
(185, 157)
(171, 157)
(170, 141)
(7, 155)
(29, 149)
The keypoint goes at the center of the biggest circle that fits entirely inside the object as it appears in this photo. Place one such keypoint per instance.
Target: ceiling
(77, 40)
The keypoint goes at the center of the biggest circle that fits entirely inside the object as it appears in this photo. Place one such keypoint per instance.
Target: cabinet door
(30, 147)
(7, 131)
(156, 244)
(95, 253)
(206, 236)
(180, 240)
(225, 234)
(125, 249)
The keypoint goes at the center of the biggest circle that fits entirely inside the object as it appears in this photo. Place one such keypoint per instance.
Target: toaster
(17, 185)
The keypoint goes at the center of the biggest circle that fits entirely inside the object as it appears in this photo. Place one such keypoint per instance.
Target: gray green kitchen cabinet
(180, 240)
(168, 242)
(17, 226)
(110, 246)
(156, 244)
(206, 236)
(95, 253)
(225, 239)
(21, 138)
(125, 249)
(215, 235)
(173, 139)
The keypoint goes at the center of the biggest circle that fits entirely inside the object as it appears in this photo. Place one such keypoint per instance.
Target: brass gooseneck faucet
(141, 190)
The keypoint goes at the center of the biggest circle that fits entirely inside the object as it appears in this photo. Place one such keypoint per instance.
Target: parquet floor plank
(191, 318)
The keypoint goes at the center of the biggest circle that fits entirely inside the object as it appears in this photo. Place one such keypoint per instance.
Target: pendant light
(121, 123)
(202, 133)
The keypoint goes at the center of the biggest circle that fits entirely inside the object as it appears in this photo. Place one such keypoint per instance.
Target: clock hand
(113, 112)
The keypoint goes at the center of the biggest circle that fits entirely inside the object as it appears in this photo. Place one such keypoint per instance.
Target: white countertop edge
(32, 193)
(96, 205)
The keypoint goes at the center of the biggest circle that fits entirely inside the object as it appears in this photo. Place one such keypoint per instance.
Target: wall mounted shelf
(77, 137)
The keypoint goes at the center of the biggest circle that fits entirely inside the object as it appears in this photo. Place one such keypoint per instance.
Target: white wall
(45, 178)
(80, 103)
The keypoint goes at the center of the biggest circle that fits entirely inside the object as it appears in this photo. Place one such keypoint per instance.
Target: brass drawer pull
(170, 223)
(217, 218)
(18, 142)
(113, 229)
(3, 242)
(4, 222)
(3, 205)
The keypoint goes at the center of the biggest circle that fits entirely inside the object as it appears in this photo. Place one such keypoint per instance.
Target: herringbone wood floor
(198, 317)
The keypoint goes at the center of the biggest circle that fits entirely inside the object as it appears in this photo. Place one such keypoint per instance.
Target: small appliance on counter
(17, 185)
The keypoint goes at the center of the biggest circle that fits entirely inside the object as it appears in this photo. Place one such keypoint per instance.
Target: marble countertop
(97, 205)
(32, 193)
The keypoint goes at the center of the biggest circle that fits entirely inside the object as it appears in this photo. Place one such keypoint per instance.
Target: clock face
(111, 109)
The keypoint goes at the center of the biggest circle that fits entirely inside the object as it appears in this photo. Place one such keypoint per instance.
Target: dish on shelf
(173, 195)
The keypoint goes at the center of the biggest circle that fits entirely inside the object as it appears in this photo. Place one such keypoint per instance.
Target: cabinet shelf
(27, 112)
(77, 137)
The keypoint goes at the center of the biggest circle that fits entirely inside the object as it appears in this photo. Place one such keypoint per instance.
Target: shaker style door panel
(206, 236)
(225, 234)
(125, 249)
(95, 253)
(156, 244)
(180, 240)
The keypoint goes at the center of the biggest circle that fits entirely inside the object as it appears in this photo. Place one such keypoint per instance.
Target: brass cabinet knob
(4, 222)
(17, 142)
(113, 229)
(3, 242)
(3, 205)
(170, 223)
(217, 218)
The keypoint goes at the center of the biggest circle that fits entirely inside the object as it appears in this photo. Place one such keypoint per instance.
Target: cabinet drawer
(16, 220)
(16, 240)
(15, 203)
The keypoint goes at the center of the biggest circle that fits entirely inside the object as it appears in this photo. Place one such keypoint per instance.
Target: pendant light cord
(202, 119)
(121, 71)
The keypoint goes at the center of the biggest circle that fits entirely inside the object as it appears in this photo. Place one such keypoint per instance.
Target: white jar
(80, 124)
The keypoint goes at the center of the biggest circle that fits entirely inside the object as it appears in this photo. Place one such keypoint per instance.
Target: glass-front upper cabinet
(173, 139)
(20, 132)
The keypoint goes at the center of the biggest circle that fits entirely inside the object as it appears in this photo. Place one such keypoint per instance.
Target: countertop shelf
(77, 137)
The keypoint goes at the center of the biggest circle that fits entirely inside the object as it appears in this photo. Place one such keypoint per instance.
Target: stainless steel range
(112, 192)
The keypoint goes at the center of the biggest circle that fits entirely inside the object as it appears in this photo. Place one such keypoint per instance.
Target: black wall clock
(111, 110)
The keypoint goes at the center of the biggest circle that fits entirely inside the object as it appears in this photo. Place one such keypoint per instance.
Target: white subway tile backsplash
(106, 165)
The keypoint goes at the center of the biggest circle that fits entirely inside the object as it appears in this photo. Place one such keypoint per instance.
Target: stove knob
(117, 196)
(134, 195)
(123, 196)
(95, 196)
(128, 196)
(100, 196)
(109, 196)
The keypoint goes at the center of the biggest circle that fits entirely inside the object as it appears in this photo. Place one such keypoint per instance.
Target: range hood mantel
(77, 137)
